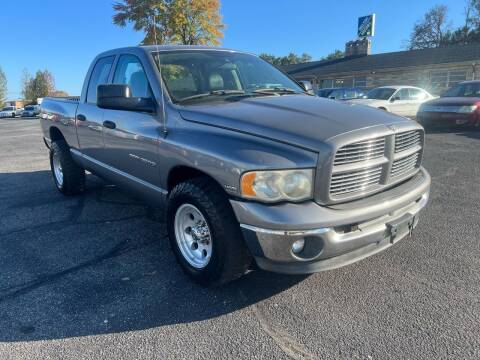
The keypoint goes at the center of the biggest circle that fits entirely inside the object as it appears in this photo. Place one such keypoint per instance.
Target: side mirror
(393, 99)
(118, 97)
(307, 86)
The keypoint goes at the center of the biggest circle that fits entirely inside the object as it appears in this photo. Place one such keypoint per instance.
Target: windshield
(29, 108)
(210, 75)
(8, 108)
(380, 93)
(464, 90)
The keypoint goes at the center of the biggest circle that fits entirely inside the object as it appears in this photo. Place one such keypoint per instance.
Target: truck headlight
(278, 185)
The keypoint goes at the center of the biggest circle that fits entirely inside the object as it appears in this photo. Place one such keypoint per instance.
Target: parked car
(8, 111)
(341, 93)
(248, 171)
(400, 100)
(459, 105)
(31, 111)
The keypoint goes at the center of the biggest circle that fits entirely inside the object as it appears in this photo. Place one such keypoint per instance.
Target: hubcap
(57, 169)
(193, 236)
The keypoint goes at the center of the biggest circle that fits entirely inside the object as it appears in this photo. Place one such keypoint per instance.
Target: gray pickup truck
(251, 168)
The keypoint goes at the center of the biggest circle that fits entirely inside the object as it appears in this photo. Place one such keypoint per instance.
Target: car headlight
(467, 108)
(278, 185)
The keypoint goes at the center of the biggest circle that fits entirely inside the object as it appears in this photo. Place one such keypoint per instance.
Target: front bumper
(433, 119)
(334, 236)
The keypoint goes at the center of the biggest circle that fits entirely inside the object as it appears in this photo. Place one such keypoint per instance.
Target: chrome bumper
(344, 235)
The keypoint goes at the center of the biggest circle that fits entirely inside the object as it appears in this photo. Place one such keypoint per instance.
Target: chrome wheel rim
(193, 236)
(57, 169)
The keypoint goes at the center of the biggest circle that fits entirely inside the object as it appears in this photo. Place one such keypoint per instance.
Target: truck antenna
(164, 113)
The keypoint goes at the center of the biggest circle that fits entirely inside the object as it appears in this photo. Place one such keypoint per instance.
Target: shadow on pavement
(98, 263)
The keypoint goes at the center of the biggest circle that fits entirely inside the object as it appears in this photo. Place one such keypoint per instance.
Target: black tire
(73, 175)
(230, 257)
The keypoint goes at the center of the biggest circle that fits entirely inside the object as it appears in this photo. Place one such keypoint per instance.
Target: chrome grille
(407, 140)
(360, 151)
(405, 165)
(357, 180)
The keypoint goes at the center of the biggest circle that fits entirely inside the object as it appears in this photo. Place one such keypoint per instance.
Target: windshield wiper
(213, 93)
(276, 91)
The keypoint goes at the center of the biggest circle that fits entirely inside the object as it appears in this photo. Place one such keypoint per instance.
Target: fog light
(298, 246)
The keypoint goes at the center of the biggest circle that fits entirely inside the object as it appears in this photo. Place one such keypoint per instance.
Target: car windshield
(29, 108)
(380, 93)
(211, 75)
(464, 90)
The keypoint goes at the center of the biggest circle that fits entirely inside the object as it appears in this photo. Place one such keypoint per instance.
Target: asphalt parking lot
(93, 277)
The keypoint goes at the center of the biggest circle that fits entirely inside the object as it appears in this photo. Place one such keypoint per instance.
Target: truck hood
(300, 120)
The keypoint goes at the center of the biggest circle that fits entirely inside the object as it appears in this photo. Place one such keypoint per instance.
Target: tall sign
(366, 26)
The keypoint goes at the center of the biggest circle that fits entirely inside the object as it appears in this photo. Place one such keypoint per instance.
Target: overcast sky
(64, 36)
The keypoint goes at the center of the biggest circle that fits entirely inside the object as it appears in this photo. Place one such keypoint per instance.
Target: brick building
(432, 69)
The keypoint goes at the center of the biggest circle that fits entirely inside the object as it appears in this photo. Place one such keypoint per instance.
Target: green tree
(291, 58)
(337, 54)
(43, 84)
(3, 87)
(432, 31)
(189, 22)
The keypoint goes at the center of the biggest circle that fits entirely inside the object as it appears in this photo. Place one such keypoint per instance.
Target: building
(17, 103)
(432, 69)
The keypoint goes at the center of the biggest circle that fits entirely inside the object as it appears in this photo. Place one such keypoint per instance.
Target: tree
(3, 87)
(337, 54)
(43, 84)
(291, 58)
(432, 31)
(59, 93)
(189, 22)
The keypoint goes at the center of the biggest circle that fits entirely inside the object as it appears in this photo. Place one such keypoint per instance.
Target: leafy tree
(291, 58)
(59, 93)
(189, 22)
(3, 87)
(432, 31)
(43, 84)
(337, 54)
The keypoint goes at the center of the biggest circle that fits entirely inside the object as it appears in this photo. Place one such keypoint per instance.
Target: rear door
(401, 102)
(131, 138)
(89, 117)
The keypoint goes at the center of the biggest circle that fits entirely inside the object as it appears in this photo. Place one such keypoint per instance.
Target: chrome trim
(119, 172)
(286, 232)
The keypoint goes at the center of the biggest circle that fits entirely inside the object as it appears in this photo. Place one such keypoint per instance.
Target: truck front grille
(358, 180)
(405, 165)
(360, 151)
(366, 166)
(407, 140)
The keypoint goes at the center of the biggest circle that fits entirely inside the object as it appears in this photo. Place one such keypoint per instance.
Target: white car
(8, 111)
(400, 100)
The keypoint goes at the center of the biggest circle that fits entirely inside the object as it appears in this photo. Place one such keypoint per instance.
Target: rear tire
(68, 176)
(204, 233)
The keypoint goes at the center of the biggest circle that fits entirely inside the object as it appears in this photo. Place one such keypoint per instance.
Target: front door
(89, 117)
(131, 138)
(400, 102)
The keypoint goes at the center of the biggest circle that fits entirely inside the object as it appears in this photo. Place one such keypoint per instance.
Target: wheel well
(382, 108)
(183, 173)
(56, 134)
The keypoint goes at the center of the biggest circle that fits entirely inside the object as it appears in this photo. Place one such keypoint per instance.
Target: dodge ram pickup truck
(251, 168)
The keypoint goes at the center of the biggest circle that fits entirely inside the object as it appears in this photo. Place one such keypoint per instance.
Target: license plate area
(402, 225)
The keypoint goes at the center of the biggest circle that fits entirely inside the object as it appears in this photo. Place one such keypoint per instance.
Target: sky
(64, 36)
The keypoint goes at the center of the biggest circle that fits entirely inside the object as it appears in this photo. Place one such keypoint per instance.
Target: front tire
(204, 233)
(68, 176)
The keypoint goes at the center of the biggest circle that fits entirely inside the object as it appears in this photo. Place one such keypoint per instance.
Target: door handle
(81, 117)
(109, 124)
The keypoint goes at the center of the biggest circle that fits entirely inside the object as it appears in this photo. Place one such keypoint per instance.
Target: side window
(130, 71)
(403, 94)
(99, 76)
(417, 94)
